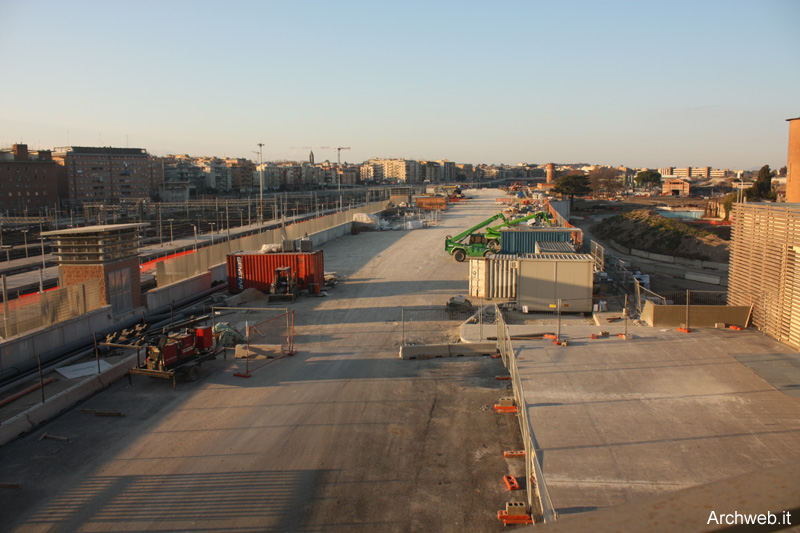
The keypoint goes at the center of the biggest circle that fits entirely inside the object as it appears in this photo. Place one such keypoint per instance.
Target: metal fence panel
(45, 308)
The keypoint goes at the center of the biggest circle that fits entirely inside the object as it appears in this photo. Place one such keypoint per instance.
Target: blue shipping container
(524, 242)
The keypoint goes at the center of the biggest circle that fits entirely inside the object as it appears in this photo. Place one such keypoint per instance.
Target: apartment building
(465, 172)
(431, 171)
(104, 174)
(242, 172)
(405, 170)
(29, 180)
(448, 170)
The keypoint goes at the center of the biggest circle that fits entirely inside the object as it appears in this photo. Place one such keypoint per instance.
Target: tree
(605, 179)
(572, 186)
(762, 188)
(648, 178)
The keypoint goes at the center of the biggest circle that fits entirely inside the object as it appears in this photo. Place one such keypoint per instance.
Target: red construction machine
(177, 353)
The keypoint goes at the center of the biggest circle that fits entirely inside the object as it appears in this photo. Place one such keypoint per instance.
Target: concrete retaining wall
(448, 350)
(700, 316)
(30, 419)
(20, 349)
(178, 291)
(671, 265)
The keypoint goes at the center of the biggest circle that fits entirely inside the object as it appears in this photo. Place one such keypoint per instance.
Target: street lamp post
(195, 237)
(42, 241)
(25, 238)
(170, 232)
(212, 233)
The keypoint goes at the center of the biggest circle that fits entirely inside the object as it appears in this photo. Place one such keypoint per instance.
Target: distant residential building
(400, 169)
(106, 174)
(674, 186)
(448, 170)
(241, 174)
(465, 172)
(181, 173)
(371, 172)
(29, 180)
(693, 173)
(431, 171)
(216, 174)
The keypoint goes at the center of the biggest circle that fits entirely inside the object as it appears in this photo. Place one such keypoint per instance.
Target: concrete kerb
(30, 419)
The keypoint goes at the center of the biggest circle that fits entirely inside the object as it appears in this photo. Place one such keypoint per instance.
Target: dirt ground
(634, 223)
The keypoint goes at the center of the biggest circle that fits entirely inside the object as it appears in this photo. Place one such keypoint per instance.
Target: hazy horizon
(614, 83)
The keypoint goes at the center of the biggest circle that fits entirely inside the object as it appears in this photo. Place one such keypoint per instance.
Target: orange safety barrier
(506, 408)
(737, 328)
(508, 519)
(684, 330)
(516, 453)
(502, 378)
(511, 482)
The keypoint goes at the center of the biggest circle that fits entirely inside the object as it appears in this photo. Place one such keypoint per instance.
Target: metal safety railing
(538, 497)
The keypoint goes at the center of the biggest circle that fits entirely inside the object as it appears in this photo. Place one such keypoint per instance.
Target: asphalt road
(343, 436)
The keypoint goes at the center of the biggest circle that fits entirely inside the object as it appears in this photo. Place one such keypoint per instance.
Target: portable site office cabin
(543, 279)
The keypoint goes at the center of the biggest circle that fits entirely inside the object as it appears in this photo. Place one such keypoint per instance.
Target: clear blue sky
(642, 84)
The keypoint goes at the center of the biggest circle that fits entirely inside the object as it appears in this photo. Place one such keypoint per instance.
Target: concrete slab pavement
(617, 420)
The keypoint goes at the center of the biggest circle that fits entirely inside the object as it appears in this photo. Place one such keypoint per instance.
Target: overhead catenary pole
(260, 183)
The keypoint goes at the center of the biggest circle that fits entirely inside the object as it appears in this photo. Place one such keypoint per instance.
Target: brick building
(677, 187)
(107, 174)
(109, 254)
(29, 180)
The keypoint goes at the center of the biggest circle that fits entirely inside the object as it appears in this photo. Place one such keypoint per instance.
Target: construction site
(461, 361)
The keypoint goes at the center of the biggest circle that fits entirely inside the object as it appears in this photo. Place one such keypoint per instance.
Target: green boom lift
(469, 243)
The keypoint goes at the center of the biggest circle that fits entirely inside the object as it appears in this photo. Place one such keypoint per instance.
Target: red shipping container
(431, 203)
(256, 270)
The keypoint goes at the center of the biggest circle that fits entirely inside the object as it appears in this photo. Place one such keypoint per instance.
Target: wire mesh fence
(273, 337)
(42, 309)
(437, 325)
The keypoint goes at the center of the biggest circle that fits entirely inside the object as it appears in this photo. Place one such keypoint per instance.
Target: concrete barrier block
(716, 266)
(695, 263)
(661, 258)
(468, 349)
(424, 352)
(15, 427)
(705, 278)
(640, 253)
(618, 247)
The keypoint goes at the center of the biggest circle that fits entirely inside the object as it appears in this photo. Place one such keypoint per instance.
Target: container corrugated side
(524, 242)
(493, 277)
(256, 270)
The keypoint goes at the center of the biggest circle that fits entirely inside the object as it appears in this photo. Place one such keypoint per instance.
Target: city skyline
(662, 84)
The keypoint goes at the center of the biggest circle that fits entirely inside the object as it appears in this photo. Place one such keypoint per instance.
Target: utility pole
(260, 183)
